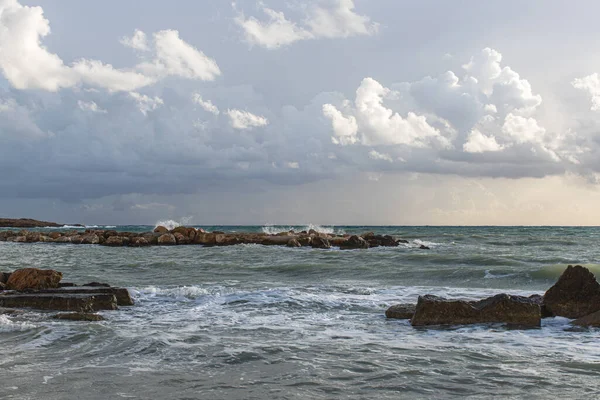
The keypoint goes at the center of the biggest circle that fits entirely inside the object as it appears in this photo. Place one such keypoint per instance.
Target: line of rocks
(32, 288)
(161, 236)
(576, 295)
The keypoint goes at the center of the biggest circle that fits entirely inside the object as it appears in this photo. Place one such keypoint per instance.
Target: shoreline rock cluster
(28, 223)
(576, 295)
(32, 288)
(162, 236)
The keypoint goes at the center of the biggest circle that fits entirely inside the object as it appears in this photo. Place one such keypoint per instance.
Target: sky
(368, 112)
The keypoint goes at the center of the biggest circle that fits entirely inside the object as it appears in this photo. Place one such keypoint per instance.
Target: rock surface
(502, 308)
(168, 239)
(61, 302)
(575, 295)
(354, 242)
(79, 316)
(401, 311)
(589, 320)
(33, 278)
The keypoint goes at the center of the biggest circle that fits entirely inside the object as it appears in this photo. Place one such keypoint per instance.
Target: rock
(167, 239)
(293, 243)
(77, 239)
(4, 277)
(320, 243)
(2, 286)
(368, 235)
(305, 241)
(33, 278)
(423, 247)
(575, 294)
(90, 239)
(161, 229)
(96, 284)
(60, 302)
(589, 320)
(312, 232)
(403, 241)
(121, 294)
(27, 223)
(63, 239)
(115, 241)
(54, 235)
(206, 239)
(139, 242)
(502, 308)
(79, 316)
(108, 234)
(355, 242)
(539, 299)
(180, 238)
(401, 311)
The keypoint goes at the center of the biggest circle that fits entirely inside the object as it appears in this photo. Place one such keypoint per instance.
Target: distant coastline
(28, 223)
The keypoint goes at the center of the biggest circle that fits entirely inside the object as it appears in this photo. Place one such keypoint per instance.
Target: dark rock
(312, 232)
(115, 241)
(320, 243)
(293, 243)
(122, 295)
(180, 238)
(96, 284)
(2, 286)
(139, 242)
(90, 239)
(355, 242)
(575, 295)
(403, 241)
(304, 240)
(161, 229)
(61, 302)
(167, 239)
(33, 278)
(502, 308)
(66, 284)
(589, 320)
(108, 234)
(423, 247)
(401, 311)
(27, 223)
(4, 277)
(539, 299)
(79, 316)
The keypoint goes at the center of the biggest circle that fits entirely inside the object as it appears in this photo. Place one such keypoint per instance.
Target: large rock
(293, 243)
(355, 242)
(167, 240)
(60, 302)
(94, 288)
(33, 278)
(589, 320)
(161, 229)
(4, 277)
(401, 311)
(502, 308)
(180, 238)
(575, 295)
(115, 241)
(320, 243)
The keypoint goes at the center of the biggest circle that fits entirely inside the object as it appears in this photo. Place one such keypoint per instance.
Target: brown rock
(502, 308)
(139, 242)
(305, 240)
(589, 320)
(91, 238)
(575, 295)
(320, 243)
(181, 238)
(115, 241)
(206, 239)
(401, 311)
(539, 299)
(293, 243)
(79, 316)
(54, 235)
(4, 277)
(167, 240)
(33, 278)
(161, 229)
(355, 242)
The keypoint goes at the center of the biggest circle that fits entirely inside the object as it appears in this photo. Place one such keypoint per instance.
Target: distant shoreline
(29, 223)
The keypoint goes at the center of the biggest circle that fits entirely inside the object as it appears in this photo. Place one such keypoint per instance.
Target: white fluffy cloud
(146, 103)
(207, 105)
(590, 84)
(28, 64)
(477, 142)
(324, 19)
(90, 106)
(245, 120)
(375, 155)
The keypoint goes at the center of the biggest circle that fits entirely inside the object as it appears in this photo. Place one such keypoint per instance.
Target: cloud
(375, 155)
(138, 41)
(245, 120)
(325, 19)
(90, 106)
(207, 105)
(590, 84)
(479, 143)
(146, 103)
(28, 64)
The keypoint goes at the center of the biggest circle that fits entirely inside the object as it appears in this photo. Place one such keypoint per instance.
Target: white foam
(172, 224)
(275, 229)
(8, 325)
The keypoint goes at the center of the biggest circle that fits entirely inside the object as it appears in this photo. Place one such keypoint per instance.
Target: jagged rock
(320, 243)
(575, 294)
(401, 311)
(539, 299)
(60, 302)
(33, 278)
(110, 233)
(423, 247)
(355, 242)
(502, 308)
(79, 316)
(589, 320)
(161, 229)
(167, 239)
(293, 243)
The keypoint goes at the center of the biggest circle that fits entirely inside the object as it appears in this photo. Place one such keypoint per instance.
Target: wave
(275, 229)
(172, 224)
(7, 325)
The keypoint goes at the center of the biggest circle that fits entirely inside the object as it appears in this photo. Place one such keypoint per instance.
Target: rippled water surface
(249, 321)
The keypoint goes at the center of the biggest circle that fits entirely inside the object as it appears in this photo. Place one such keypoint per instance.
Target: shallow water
(260, 322)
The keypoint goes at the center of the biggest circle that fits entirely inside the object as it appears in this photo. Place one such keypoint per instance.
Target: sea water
(258, 322)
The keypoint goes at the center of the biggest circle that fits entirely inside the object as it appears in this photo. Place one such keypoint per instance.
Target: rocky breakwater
(36, 289)
(576, 295)
(180, 236)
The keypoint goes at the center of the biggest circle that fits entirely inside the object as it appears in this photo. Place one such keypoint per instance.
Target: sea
(258, 322)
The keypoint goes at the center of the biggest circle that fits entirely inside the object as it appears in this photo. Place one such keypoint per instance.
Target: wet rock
(79, 316)
(502, 308)
(54, 235)
(110, 233)
(539, 299)
(90, 239)
(139, 242)
(167, 239)
(115, 241)
(589, 320)
(10, 311)
(403, 241)
(33, 278)
(575, 294)
(66, 284)
(337, 241)
(320, 243)
(305, 241)
(96, 284)
(77, 239)
(161, 229)
(63, 239)
(4, 277)
(121, 294)
(423, 247)
(2, 286)
(206, 239)
(180, 238)
(312, 232)
(355, 242)
(401, 311)
(60, 302)
(293, 243)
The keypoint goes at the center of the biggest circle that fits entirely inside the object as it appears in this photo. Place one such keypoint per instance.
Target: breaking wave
(172, 224)
(275, 229)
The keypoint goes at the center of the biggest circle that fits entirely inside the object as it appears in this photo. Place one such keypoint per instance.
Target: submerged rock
(401, 311)
(502, 308)
(33, 278)
(575, 295)
(79, 316)
(423, 247)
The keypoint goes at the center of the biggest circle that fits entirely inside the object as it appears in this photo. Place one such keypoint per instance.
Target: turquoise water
(249, 321)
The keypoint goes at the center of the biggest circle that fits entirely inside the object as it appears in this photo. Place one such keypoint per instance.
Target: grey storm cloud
(171, 117)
